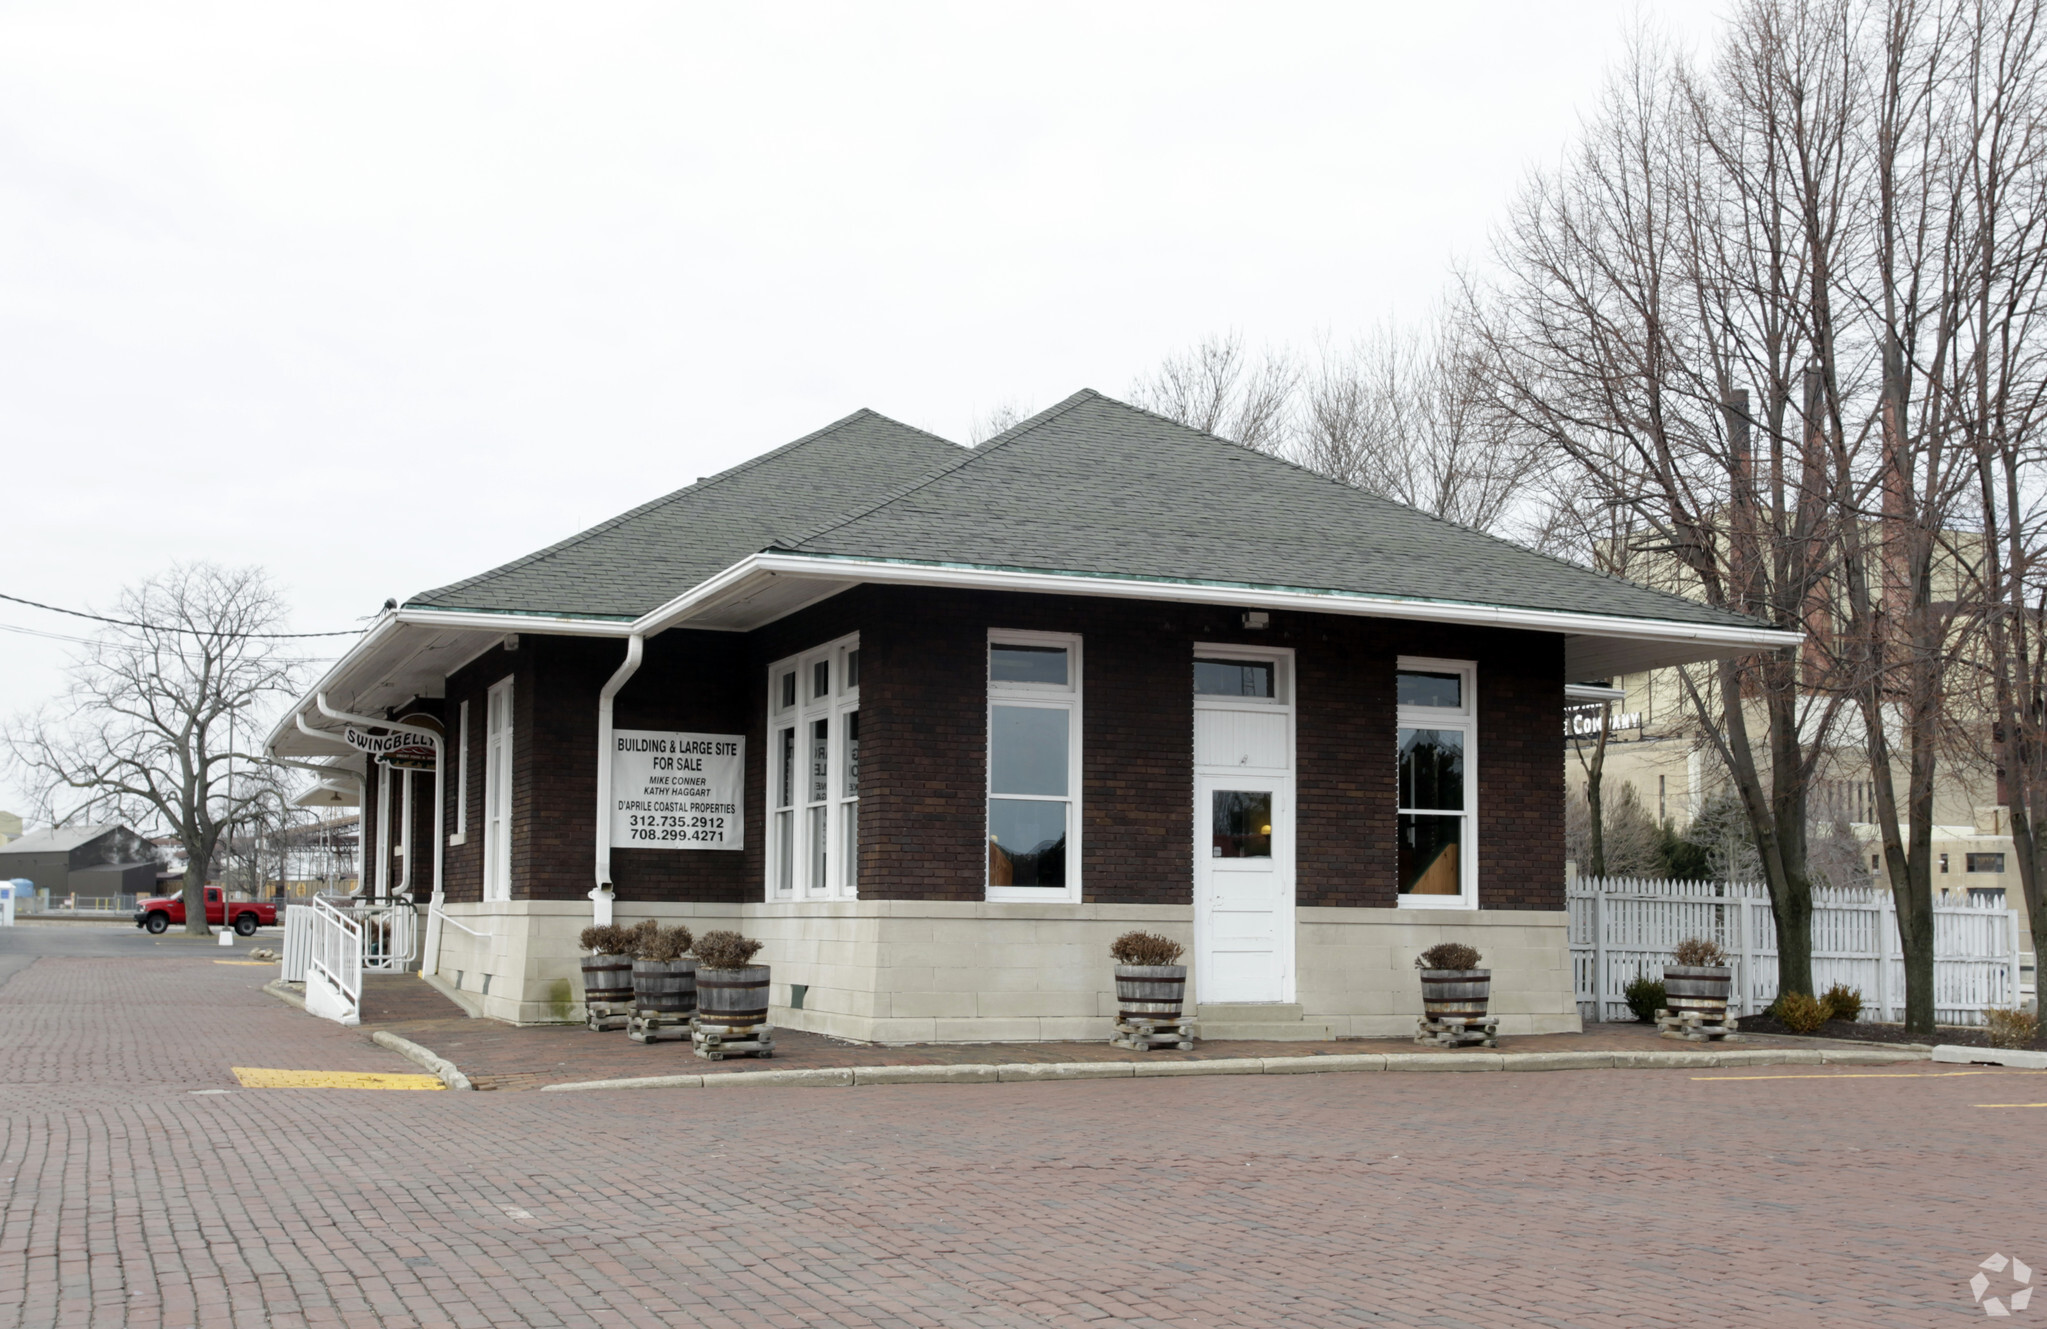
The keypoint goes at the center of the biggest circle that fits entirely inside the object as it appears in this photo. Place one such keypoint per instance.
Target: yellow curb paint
(1868, 1075)
(2008, 1105)
(257, 1077)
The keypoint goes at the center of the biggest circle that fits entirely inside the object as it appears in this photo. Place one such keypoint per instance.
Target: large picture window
(1436, 756)
(497, 792)
(814, 773)
(1033, 766)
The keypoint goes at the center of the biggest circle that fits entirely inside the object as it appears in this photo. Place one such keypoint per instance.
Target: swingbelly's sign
(676, 791)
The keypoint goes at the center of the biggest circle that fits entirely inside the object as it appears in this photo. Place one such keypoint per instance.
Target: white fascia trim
(1325, 602)
(393, 620)
(482, 621)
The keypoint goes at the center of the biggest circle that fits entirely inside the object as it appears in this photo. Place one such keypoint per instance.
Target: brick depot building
(938, 723)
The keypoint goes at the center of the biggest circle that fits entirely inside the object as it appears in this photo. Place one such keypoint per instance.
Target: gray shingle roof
(642, 558)
(1098, 487)
(1091, 487)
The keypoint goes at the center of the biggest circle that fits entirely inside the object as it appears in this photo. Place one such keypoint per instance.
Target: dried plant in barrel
(608, 968)
(1151, 983)
(1453, 985)
(1697, 980)
(732, 991)
(664, 978)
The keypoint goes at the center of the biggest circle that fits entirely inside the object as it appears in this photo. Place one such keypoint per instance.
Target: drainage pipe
(602, 893)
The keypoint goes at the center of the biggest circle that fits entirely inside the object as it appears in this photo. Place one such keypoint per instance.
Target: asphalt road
(149, 1184)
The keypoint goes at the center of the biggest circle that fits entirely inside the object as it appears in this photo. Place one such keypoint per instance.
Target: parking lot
(148, 1187)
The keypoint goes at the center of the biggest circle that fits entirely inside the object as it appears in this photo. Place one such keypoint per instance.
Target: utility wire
(192, 632)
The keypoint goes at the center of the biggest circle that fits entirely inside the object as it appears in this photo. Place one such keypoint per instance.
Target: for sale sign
(677, 791)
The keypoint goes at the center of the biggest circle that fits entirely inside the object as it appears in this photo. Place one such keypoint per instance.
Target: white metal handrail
(437, 912)
(390, 936)
(334, 961)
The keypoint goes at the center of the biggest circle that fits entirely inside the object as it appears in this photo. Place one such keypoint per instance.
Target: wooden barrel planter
(608, 978)
(1697, 989)
(667, 986)
(732, 998)
(1150, 991)
(1456, 994)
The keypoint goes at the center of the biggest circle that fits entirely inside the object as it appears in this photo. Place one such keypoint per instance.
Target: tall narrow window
(1033, 766)
(1437, 863)
(497, 793)
(813, 717)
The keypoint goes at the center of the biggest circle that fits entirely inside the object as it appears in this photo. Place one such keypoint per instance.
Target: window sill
(1460, 902)
(1032, 895)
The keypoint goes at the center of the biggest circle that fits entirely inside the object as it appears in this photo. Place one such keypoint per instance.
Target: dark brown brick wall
(923, 748)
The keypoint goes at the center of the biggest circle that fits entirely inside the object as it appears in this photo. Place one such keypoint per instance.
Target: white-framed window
(497, 792)
(1437, 757)
(814, 774)
(461, 764)
(1034, 726)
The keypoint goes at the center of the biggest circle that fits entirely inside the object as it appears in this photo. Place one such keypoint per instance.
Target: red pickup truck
(247, 915)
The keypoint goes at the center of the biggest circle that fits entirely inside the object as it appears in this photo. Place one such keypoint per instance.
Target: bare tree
(159, 711)
(1404, 413)
(999, 419)
(1218, 388)
(1780, 311)
(1613, 343)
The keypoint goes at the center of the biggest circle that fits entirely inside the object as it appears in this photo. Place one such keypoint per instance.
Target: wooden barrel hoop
(608, 978)
(1151, 991)
(1456, 994)
(734, 998)
(667, 986)
(1697, 988)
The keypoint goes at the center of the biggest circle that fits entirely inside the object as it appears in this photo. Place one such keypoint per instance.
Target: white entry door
(1244, 888)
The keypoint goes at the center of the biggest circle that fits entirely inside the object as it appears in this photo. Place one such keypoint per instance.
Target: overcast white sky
(381, 295)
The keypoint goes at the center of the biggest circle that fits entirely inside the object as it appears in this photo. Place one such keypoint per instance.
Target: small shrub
(725, 950)
(605, 939)
(1842, 1002)
(1800, 1012)
(667, 944)
(1449, 955)
(1645, 997)
(1699, 953)
(1147, 948)
(2011, 1029)
(639, 936)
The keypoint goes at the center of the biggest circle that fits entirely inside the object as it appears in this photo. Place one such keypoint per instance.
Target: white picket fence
(1623, 928)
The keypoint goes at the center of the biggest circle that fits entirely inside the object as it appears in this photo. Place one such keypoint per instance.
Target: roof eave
(1671, 641)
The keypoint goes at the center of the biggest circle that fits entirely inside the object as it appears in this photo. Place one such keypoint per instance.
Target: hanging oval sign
(399, 751)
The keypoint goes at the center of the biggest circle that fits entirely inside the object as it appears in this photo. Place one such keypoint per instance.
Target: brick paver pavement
(500, 1056)
(1602, 1198)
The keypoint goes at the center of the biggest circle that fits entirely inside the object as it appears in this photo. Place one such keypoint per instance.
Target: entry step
(1265, 1021)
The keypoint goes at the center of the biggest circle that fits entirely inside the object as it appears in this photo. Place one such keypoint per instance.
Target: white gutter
(833, 568)
(1593, 692)
(430, 963)
(602, 894)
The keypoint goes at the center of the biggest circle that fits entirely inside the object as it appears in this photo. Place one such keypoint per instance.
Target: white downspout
(601, 894)
(405, 832)
(382, 889)
(431, 961)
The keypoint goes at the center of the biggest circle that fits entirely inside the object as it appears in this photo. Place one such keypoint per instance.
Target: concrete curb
(412, 1051)
(276, 988)
(978, 1073)
(2018, 1058)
